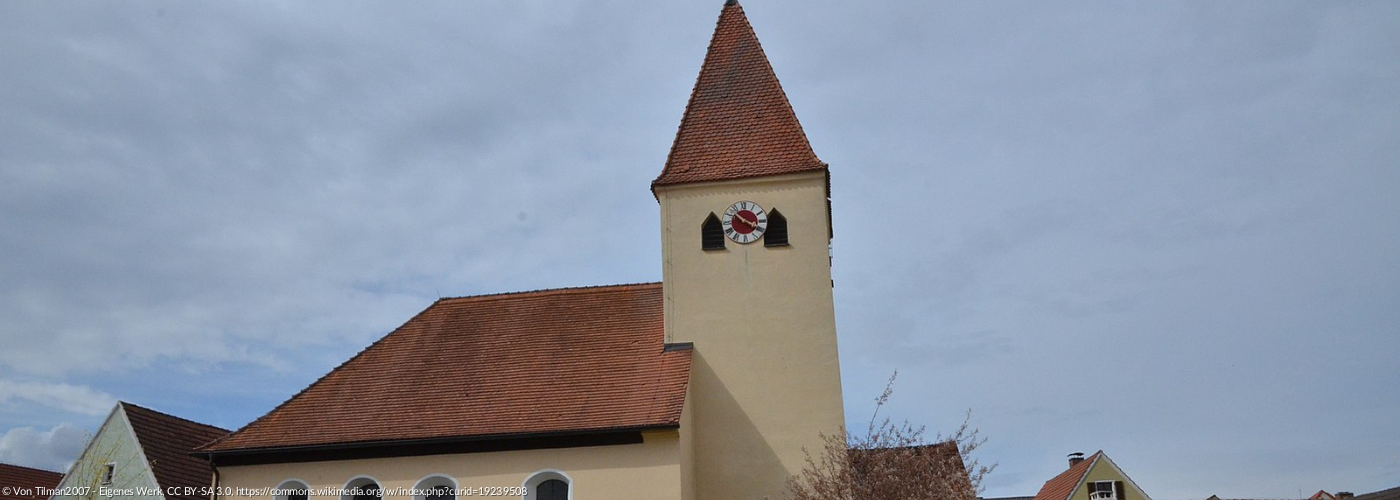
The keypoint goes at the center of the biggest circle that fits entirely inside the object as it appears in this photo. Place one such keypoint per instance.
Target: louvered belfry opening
(777, 233)
(712, 233)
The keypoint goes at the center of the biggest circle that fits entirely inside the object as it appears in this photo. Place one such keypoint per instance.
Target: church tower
(746, 232)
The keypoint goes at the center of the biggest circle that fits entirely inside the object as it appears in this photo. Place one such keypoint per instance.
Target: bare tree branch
(893, 462)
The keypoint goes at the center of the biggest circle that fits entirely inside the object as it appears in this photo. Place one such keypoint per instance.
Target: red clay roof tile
(550, 361)
(1063, 485)
(738, 123)
(15, 479)
(167, 441)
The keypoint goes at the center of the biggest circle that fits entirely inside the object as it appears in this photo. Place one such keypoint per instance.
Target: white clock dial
(744, 222)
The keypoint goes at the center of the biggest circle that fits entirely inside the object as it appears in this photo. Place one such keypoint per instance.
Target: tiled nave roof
(518, 364)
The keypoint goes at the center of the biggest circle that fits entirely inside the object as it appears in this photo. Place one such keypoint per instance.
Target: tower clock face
(744, 222)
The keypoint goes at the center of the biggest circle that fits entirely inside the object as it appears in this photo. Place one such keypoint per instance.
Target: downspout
(214, 495)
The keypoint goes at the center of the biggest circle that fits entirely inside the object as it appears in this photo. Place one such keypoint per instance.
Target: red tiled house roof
(738, 123)
(941, 459)
(1390, 494)
(15, 477)
(167, 441)
(1062, 486)
(540, 363)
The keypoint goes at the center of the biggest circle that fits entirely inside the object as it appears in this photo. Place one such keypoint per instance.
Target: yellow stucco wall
(1106, 470)
(765, 379)
(646, 471)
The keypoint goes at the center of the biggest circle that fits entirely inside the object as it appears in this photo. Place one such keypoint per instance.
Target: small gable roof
(28, 478)
(167, 441)
(1062, 486)
(738, 123)
(538, 363)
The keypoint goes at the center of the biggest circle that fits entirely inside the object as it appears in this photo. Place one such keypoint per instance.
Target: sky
(1165, 230)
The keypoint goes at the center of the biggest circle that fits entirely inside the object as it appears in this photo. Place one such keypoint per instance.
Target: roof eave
(432, 443)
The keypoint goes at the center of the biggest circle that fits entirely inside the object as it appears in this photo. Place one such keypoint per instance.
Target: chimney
(1075, 458)
(1345, 495)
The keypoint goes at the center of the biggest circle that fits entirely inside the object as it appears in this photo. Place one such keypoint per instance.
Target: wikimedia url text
(279, 493)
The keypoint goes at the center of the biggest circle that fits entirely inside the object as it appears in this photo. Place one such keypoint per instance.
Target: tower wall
(765, 380)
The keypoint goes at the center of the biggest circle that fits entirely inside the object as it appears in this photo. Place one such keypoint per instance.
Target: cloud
(54, 449)
(82, 400)
(248, 195)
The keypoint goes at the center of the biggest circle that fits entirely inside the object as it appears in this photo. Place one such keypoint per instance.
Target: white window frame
(1098, 489)
(290, 484)
(433, 481)
(535, 478)
(350, 485)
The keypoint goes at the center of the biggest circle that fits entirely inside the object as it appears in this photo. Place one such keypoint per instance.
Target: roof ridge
(126, 404)
(551, 291)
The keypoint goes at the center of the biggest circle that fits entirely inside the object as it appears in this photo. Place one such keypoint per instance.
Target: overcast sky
(1168, 230)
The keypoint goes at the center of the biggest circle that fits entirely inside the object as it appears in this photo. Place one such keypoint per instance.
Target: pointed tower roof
(738, 123)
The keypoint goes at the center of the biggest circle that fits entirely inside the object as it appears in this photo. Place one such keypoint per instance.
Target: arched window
(712, 233)
(549, 485)
(777, 234)
(362, 488)
(292, 489)
(552, 489)
(435, 487)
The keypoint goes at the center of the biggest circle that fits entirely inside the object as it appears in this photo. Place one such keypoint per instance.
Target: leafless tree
(893, 461)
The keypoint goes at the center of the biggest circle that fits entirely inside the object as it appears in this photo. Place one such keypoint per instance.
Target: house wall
(1105, 470)
(765, 379)
(116, 444)
(650, 470)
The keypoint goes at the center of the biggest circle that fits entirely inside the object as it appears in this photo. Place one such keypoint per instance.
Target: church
(705, 386)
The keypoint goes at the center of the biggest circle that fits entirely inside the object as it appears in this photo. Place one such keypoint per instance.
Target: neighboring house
(1390, 494)
(1394, 494)
(938, 465)
(1093, 478)
(26, 483)
(140, 453)
(708, 385)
